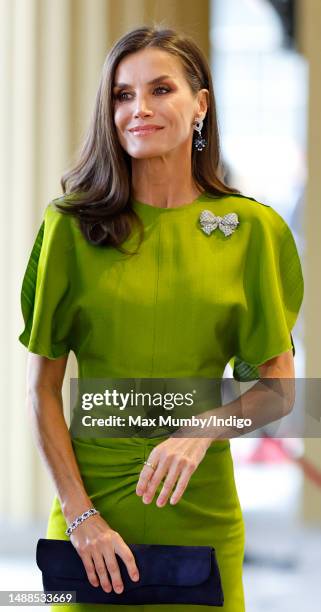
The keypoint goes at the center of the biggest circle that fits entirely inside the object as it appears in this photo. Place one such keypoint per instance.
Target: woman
(124, 274)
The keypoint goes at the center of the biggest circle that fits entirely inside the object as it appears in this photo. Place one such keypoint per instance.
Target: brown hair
(98, 188)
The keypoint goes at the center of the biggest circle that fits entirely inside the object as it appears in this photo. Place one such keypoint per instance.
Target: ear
(203, 98)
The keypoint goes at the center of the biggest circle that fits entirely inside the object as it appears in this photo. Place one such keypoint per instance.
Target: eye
(166, 89)
(119, 96)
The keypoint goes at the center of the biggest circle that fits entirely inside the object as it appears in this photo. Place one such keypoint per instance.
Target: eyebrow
(152, 82)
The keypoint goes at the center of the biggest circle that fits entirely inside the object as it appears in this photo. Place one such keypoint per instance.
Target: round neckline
(144, 205)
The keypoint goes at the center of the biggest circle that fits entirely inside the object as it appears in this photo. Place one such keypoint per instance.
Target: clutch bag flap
(168, 573)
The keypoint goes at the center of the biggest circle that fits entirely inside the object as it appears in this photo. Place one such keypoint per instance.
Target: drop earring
(199, 142)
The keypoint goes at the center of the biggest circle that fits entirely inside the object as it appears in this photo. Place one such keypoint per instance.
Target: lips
(145, 129)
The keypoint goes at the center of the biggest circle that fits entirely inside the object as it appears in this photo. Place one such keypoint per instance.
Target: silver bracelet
(80, 519)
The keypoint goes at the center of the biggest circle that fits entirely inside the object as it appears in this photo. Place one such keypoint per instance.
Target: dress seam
(155, 300)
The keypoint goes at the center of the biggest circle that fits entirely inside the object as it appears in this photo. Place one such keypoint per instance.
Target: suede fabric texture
(168, 574)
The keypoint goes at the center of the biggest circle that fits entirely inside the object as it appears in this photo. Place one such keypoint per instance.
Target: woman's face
(167, 103)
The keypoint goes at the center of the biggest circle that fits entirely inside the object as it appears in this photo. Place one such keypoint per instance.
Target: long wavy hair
(97, 189)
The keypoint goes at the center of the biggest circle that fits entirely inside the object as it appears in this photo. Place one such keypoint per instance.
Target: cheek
(120, 124)
(178, 116)
(118, 119)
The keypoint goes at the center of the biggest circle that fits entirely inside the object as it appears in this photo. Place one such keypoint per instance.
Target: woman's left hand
(175, 459)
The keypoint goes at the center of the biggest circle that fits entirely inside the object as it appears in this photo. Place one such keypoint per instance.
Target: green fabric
(47, 300)
(185, 305)
(184, 289)
(208, 513)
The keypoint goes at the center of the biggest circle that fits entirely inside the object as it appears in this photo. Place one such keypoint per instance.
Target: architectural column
(308, 23)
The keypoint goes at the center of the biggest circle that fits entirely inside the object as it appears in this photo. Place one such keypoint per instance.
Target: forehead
(147, 64)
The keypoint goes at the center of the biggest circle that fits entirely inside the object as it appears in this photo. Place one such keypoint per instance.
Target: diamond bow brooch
(227, 224)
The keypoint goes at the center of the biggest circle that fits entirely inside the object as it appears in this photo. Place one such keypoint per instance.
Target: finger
(154, 482)
(182, 484)
(127, 556)
(101, 570)
(169, 483)
(145, 476)
(90, 569)
(143, 480)
(113, 568)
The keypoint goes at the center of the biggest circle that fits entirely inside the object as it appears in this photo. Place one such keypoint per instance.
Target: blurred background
(265, 58)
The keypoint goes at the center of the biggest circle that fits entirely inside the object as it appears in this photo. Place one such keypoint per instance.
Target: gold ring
(150, 464)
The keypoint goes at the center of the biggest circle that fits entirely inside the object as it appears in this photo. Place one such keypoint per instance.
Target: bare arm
(179, 456)
(45, 407)
(95, 541)
(264, 403)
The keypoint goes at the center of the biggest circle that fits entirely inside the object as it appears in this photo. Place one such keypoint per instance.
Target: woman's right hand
(96, 543)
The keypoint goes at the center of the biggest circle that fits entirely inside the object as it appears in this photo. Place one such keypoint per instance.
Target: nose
(142, 109)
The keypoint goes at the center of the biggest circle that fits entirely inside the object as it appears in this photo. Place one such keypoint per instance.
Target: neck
(164, 181)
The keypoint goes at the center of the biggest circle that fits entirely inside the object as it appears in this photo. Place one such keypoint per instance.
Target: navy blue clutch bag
(168, 574)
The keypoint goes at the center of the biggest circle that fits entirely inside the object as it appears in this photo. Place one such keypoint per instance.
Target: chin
(147, 152)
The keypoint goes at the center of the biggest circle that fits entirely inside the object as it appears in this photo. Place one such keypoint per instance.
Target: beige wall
(309, 27)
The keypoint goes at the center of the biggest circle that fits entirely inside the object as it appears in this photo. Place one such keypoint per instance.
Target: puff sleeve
(47, 293)
(273, 290)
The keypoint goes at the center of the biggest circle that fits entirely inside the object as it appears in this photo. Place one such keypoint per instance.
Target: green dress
(186, 305)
